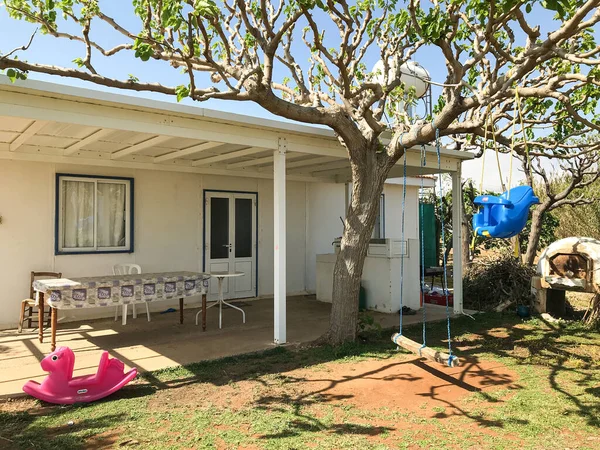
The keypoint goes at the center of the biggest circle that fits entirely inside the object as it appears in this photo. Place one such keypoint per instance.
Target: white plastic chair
(128, 269)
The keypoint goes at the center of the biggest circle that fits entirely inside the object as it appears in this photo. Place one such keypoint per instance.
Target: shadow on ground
(563, 351)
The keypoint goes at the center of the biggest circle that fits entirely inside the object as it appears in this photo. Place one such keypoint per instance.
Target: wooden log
(426, 352)
(504, 305)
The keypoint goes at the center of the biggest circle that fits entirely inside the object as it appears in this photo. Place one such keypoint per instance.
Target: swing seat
(504, 216)
(425, 352)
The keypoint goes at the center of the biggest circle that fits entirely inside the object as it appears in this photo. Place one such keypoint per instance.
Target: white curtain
(111, 214)
(78, 214)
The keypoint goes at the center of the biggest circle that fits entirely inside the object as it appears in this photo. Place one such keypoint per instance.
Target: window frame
(58, 215)
(381, 219)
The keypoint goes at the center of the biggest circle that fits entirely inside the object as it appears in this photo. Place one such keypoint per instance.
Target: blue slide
(504, 216)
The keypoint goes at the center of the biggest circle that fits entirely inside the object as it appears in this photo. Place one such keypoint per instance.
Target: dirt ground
(404, 384)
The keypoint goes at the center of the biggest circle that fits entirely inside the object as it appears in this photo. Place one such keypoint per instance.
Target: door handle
(227, 245)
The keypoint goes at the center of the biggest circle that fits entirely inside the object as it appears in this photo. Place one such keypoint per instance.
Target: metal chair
(30, 305)
(128, 269)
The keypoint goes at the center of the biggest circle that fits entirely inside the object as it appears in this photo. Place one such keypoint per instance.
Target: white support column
(279, 249)
(457, 239)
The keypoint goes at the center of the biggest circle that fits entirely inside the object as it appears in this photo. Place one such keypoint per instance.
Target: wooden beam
(425, 352)
(188, 151)
(230, 155)
(152, 142)
(50, 155)
(323, 167)
(31, 130)
(95, 136)
(251, 163)
(311, 162)
(316, 147)
(262, 161)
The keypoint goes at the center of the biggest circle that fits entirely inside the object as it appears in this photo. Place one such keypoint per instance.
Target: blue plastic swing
(504, 216)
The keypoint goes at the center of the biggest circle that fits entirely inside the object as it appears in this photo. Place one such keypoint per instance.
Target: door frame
(206, 191)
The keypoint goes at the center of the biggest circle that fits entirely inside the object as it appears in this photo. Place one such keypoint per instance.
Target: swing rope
(451, 357)
(402, 240)
(401, 341)
(519, 114)
(490, 125)
(423, 164)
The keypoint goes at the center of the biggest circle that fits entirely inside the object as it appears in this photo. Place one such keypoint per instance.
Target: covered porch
(165, 343)
(73, 127)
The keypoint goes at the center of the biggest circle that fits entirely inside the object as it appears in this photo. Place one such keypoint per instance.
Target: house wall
(326, 203)
(325, 207)
(393, 212)
(168, 229)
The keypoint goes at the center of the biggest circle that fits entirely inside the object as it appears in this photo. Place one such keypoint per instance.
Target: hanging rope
(423, 164)
(451, 357)
(402, 240)
(485, 135)
(519, 113)
(402, 341)
(502, 185)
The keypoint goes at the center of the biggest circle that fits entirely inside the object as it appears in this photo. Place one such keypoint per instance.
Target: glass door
(230, 226)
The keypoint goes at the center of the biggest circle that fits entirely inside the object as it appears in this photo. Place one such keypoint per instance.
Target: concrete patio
(165, 343)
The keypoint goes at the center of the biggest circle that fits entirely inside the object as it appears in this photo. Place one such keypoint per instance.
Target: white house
(89, 179)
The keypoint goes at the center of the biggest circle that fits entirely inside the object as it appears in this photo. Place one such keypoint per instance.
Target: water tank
(411, 73)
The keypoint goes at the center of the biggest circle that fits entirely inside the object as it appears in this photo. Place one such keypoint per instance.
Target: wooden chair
(29, 303)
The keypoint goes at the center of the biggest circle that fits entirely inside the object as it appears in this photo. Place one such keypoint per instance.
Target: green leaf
(143, 50)
(206, 8)
(12, 75)
(15, 74)
(182, 92)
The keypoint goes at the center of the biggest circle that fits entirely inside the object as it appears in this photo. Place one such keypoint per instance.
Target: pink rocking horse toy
(61, 388)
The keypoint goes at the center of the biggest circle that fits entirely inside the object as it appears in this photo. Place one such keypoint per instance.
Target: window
(94, 214)
(379, 228)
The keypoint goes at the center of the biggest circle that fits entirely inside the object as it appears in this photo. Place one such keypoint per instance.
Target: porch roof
(48, 122)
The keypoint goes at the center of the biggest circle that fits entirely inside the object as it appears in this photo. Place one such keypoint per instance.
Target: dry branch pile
(491, 282)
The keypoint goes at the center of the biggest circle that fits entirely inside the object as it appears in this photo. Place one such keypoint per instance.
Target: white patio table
(220, 276)
(112, 290)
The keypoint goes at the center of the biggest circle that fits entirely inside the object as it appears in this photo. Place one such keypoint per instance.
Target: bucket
(523, 311)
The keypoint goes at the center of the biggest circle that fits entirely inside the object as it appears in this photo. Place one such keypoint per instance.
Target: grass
(254, 401)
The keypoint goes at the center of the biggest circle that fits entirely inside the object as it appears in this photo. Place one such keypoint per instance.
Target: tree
(568, 189)
(583, 220)
(250, 50)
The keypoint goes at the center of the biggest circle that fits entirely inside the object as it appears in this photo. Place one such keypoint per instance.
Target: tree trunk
(368, 178)
(534, 235)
